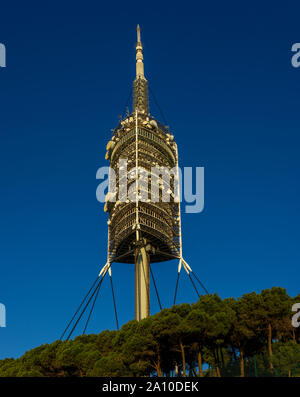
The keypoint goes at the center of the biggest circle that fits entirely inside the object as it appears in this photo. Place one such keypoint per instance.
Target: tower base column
(142, 283)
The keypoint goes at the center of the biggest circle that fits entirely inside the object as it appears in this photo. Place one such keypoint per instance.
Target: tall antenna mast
(139, 54)
(140, 84)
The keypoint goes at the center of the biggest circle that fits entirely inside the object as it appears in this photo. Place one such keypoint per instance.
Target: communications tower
(145, 227)
(143, 200)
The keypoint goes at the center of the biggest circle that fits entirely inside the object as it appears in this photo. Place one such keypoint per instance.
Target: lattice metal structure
(142, 230)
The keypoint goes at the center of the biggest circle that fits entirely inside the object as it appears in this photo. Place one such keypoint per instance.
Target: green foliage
(249, 336)
(286, 358)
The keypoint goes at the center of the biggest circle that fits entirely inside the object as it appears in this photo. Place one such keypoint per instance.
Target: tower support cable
(176, 288)
(92, 308)
(189, 270)
(85, 307)
(115, 306)
(157, 104)
(154, 283)
(200, 282)
(79, 308)
(194, 285)
(126, 104)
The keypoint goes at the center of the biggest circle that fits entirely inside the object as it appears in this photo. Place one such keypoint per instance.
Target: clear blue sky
(222, 74)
